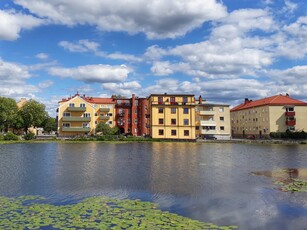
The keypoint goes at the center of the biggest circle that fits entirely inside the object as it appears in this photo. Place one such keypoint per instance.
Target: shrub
(1, 137)
(29, 136)
(11, 137)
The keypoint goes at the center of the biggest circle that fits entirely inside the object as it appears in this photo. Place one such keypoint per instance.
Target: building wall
(213, 119)
(179, 130)
(301, 118)
(252, 121)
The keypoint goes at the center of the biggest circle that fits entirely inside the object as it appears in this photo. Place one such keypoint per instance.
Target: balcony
(208, 131)
(206, 112)
(290, 114)
(76, 109)
(291, 122)
(104, 109)
(104, 117)
(76, 129)
(80, 119)
(207, 123)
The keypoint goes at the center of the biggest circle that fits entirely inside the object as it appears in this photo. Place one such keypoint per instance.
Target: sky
(223, 50)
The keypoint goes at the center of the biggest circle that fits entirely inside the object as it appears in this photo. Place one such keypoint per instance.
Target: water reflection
(209, 182)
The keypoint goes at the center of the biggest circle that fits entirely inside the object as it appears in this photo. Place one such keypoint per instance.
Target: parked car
(251, 137)
(209, 137)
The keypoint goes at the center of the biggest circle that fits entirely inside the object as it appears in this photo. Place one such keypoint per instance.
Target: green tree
(49, 124)
(33, 114)
(8, 112)
(106, 129)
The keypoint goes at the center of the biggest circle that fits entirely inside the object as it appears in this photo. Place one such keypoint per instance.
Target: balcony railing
(76, 109)
(207, 123)
(208, 131)
(206, 112)
(85, 119)
(121, 114)
(104, 109)
(76, 129)
(104, 117)
(291, 122)
(290, 114)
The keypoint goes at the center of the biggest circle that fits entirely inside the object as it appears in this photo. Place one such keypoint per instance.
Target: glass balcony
(82, 119)
(76, 129)
(76, 109)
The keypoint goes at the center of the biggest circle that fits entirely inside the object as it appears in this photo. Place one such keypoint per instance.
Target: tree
(106, 129)
(33, 114)
(49, 124)
(8, 112)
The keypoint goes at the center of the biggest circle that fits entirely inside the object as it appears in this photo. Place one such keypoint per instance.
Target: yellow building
(212, 120)
(172, 116)
(79, 115)
(273, 114)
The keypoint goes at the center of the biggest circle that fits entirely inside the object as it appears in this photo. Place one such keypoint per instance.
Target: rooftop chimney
(200, 100)
(246, 100)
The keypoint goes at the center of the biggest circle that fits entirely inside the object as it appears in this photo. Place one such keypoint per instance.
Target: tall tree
(49, 124)
(33, 114)
(8, 112)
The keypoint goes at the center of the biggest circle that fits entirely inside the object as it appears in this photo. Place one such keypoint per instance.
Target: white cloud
(42, 56)
(12, 71)
(157, 19)
(45, 84)
(124, 89)
(93, 73)
(289, 7)
(80, 47)
(12, 23)
(162, 68)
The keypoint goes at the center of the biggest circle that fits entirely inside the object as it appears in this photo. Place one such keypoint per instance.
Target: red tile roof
(98, 100)
(273, 101)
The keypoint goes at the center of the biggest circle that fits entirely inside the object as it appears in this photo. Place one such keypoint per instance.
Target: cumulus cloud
(81, 46)
(12, 23)
(45, 84)
(42, 56)
(124, 89)
(157, 19)
(13, 78)
(93, 73)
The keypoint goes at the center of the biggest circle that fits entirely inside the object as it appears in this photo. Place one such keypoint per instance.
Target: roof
(174, 95)
(277, 100)
(99, 100)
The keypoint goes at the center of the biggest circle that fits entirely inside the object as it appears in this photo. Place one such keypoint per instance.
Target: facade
(79, 115)
(131, 115)
(212, 120)
(273, 114)
(172, 116)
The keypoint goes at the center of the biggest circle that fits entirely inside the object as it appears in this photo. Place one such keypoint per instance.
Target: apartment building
(172, 116)
(79, 115)
(212, 120)
(272, 114)
(131, 115)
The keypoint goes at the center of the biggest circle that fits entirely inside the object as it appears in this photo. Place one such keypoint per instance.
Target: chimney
(246, 100)
(200, 100)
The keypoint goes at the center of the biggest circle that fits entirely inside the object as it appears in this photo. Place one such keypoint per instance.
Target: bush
(29, 136)
(11, 137)
(288, 135)
(1, 137)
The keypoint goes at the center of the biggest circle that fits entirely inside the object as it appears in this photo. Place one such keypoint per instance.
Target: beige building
(79, 115)
(212, 120)
(172, 116)
(273, 114)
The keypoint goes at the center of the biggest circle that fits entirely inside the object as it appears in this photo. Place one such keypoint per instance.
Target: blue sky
(223, 50)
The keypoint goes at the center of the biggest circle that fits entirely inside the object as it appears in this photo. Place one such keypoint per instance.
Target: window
(66, 114)
(221, 109)
(110, 122)
(135, 121)
(184, 100)
(119, 102)
(161, 121)
(186, 133)
(221, 118)
(120, 111)
(161, 132)
(136, 102)
(145, 107)
(110, 114)
(173, 121)
(96, 114)
(82, 105)
(66, 125)
(85, 125)
(129, 120)
(160, 100)
(96, 122)
(160, 110)
(135, 111)
(173, 100)
(174, 132)
(186, 110)
(71, 105)
(222, 128)
(197, 127)
(173, 110)
(135, 130)
(185, 121)
(86, 115)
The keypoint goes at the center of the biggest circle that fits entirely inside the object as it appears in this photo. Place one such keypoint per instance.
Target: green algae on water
(28, 212)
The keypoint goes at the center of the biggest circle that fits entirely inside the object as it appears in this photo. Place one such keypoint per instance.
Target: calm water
(208, 182)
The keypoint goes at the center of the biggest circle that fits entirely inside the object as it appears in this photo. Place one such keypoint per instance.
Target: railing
(206, 112)
(290, 114)
(104, 109)
(208, 131)
(102, 117)
(76, 129)
(85, 119)
(206, 123)
(291, 122)
(76, 109)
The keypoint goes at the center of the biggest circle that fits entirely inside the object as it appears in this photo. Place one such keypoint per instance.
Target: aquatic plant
(32, 212)
(294, 185)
